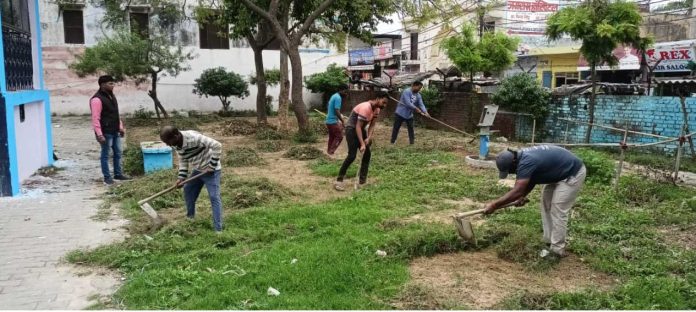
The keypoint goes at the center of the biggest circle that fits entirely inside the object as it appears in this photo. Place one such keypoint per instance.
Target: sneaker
(218, 232)
(108, 181)
(339, 186)
(549, 255)
(122, 177)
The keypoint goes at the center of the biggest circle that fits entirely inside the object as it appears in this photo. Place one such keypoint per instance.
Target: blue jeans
(113, 142)
(193, 189)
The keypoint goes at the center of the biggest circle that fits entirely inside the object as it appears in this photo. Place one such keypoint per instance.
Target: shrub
(327, 82)
(243, 157)
(600, 168)
(267, 132)
(522, 93)
(432, 100)
(142, 113)
(222, 84)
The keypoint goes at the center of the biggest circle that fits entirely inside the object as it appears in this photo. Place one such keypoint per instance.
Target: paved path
(51, 218)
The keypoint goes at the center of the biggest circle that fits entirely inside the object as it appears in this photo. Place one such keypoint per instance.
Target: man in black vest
(108, 127)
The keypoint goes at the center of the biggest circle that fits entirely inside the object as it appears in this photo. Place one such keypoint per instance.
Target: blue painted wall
(12, 99)
(651, 114)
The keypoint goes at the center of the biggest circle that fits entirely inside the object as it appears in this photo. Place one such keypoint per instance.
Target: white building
(67, 29)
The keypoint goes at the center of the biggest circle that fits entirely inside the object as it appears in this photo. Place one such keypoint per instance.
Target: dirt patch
(480, 280)
(295, 175)
(680, 236)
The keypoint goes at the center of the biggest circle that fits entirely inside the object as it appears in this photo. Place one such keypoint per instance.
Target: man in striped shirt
(198, 153)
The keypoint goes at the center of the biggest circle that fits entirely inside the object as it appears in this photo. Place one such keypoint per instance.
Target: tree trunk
(260, 85)
(593, 98)
(296, 87)
(153, 95)
(284, 97)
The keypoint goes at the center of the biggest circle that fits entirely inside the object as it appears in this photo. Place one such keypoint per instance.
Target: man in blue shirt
(334, 120)
(410, 100)
(562, 174)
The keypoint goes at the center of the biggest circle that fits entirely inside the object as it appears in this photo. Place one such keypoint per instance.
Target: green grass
(186, 266)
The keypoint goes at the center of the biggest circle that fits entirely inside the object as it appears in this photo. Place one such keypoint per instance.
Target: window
(414, 46)
(139, 23)
(15, 14)
(73, 27)
(22, 113)
(213, 36)
(566, 78)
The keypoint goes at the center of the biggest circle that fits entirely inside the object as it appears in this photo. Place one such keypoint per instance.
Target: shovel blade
(464, 229)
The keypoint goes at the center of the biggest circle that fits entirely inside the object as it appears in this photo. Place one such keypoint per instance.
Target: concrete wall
(656, 115)
(31, 139)
(70, 94)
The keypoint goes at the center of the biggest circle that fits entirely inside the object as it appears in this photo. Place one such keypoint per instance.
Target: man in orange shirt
(358, 137)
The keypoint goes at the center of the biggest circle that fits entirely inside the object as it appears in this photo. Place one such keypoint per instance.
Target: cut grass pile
(186, 266)
(243, 157)
(303, 152)
(270, 146)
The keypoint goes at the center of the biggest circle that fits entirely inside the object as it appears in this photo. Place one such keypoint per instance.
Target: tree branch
(312, 17)
(257, 10)
(273, 21)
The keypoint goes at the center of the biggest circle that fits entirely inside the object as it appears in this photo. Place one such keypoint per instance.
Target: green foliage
(272, 77)
(600, 168)
(601, 25)
(243, 157)
(143, 113)
(124, 55)
(432, 100)
(133, 160)
(494, 53)
(303, 152)
(328, 81)
(222, 84)
(522, 93)
(268, 133)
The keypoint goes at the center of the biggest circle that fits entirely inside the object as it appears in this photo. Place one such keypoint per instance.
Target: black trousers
(398, 120)
(353, 148)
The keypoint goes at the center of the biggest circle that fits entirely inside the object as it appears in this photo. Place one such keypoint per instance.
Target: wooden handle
(438, 121)
(320, 112)
(169, 189)
(478, 211)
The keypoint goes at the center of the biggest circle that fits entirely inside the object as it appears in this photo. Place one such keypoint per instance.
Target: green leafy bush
(600, 168)
(222, 84)
(327, 82)
(308, 136)
(522, 93)
(432, 100)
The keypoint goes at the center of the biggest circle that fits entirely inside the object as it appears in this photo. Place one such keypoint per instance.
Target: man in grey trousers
(562, 174)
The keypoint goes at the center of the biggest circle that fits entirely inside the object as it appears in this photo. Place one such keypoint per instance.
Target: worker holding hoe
(358, 137)
(563, 175)
(202, 154)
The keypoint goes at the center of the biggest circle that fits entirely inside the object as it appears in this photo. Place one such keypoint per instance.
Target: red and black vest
(109, 119)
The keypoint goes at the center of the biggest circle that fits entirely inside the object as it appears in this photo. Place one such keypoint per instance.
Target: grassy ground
(629, 235)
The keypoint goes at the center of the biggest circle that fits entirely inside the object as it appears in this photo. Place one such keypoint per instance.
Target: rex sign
(672, 56)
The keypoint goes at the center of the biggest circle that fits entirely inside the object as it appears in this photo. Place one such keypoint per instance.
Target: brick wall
(461, 110)
(651, 114)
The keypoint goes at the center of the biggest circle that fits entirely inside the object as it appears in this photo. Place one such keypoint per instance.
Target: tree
(601, 25)
(125, 55)
(243, 24)
(327, 82)
(493, 53)
(345, 16)
(223, 84)
(522, 93)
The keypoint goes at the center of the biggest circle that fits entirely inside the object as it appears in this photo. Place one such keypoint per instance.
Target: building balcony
(19, 61)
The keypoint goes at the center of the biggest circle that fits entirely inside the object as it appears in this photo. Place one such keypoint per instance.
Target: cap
(105, 79)
(504, 162)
